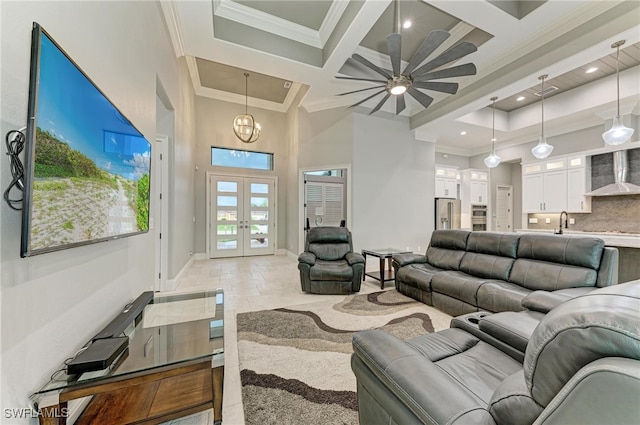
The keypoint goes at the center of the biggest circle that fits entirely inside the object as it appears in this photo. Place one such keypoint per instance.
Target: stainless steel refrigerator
(447, 213)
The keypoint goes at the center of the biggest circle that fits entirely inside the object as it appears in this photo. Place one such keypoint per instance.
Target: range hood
(621, 185)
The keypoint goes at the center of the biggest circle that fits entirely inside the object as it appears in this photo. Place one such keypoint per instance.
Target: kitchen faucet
(566, 222)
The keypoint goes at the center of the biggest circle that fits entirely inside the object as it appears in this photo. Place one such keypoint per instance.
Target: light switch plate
(547, 220)
(533, 221)
(572, 221)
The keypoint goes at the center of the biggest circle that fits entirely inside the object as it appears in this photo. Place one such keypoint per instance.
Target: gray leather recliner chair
(581, 366)
(328, 264)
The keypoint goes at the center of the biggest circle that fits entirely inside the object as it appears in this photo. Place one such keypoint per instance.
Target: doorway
(504, 209)
(241, 216)
(324, 196)
(159, 222)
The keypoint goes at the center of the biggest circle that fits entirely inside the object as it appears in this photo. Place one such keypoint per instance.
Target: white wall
(393, 184)
(53, 303)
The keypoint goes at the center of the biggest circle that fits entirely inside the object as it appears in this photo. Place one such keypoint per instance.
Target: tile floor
(251, 284)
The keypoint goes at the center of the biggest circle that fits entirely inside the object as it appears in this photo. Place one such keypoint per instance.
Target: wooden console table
(173, 367)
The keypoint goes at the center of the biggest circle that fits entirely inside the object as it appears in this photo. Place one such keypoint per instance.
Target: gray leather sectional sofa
(581, 365)
(463, 272)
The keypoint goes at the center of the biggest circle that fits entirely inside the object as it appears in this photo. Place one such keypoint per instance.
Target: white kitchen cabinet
(544, 187)
(578, 183)
(478, 193)
(446, 182)
(474, 187)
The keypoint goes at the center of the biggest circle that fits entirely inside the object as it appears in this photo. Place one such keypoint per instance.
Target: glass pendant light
(245, 126)
(618, 133)
(542, 149)
(493, 160)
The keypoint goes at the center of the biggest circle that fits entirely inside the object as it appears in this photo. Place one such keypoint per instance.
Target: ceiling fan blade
(357, 91)
(379, 105)
(424, 99)
(456, 52)
(360, 79)
(454, 71)
(394, 45)
(400, 104)
(451, 88)
(365, 99)
(431, 43)
(371, 65)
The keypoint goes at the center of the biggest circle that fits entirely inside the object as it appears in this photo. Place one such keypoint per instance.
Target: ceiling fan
(414, 76)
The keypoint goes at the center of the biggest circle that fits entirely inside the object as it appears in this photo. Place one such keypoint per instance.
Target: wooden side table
(385, 274)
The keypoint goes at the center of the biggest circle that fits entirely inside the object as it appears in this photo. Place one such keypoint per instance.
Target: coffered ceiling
(290, 45)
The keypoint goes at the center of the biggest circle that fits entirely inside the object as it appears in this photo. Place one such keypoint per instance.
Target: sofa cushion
(417, 275)
(331, 270)
(536, 275)
(502, 244)
(450, 239)
(446, 248)
(580, 251)
(458, 285)
(501, 296)
(486, 265)
(472, 363)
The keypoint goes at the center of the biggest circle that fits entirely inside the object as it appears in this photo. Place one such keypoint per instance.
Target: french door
(241, 216)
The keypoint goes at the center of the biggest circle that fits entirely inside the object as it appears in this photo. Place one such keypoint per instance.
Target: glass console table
(173, 367)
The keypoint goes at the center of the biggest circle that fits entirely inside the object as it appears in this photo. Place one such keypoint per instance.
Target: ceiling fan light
(542, 149)
(398, 89)
(618, 133)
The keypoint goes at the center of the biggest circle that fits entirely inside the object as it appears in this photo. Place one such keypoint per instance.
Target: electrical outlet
(533, 220)
(547, 220)
(572, 221)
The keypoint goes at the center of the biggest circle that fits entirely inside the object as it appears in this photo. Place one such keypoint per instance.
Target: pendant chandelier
(543, 149)
(618, 133)
(245, 126)
(493, 160)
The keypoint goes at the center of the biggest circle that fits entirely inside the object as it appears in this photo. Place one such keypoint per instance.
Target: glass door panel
(241, 216)
(226, 207)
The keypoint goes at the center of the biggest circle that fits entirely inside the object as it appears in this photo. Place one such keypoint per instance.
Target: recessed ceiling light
(462, 133)
(592, 69)
(520, 98)
(406, 24)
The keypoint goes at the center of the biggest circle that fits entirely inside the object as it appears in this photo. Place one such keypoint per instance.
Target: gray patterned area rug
(295, 362)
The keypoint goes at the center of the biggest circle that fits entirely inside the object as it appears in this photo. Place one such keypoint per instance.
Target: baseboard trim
(173, 283)
(201, 256)
(292, 255)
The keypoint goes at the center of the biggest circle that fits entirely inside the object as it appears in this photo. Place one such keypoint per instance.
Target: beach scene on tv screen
(91, 170)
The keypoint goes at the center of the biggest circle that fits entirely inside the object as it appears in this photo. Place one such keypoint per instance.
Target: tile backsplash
(608, 213)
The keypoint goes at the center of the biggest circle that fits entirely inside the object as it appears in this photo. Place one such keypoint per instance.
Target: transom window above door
(223, 157)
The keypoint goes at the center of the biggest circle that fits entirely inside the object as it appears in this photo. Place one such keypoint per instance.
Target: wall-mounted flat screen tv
(87, 168)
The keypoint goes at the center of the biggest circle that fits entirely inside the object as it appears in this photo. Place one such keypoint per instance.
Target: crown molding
(331, 20)
(248, 16)
(173, 26)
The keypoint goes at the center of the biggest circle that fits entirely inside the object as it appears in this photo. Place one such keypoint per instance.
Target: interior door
(241, 216)
(504, 209)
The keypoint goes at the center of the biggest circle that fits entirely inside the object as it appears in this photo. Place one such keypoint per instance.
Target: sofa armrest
(307, 258)
(545, 301)
(354, 258)
(400, 260)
